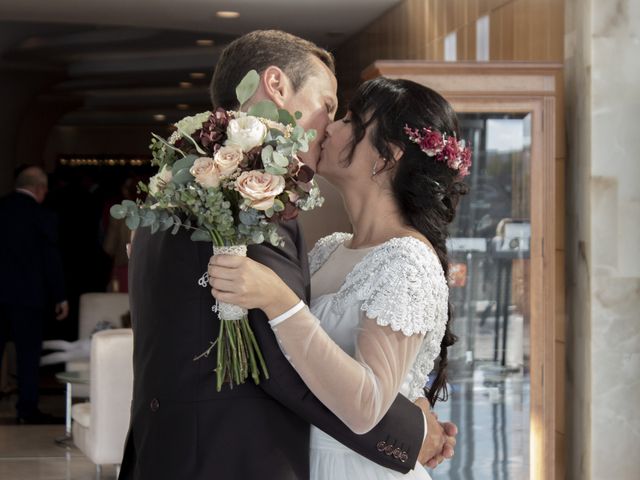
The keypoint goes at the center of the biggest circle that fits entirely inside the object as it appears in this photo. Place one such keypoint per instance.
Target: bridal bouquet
(228, 177)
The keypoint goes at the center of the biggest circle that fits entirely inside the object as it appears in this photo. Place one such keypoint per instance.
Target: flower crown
(443, 148)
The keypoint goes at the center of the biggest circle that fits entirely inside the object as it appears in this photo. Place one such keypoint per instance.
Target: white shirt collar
(27, 192)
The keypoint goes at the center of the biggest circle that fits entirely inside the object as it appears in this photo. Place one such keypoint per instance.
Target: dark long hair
(425, 190)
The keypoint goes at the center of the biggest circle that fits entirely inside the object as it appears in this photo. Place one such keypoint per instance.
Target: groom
(181, 427)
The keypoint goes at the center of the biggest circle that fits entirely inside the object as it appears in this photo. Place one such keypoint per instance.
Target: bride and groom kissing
(349, 334)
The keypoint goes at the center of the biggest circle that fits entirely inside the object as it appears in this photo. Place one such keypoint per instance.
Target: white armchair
(100, 426)
(95, 308)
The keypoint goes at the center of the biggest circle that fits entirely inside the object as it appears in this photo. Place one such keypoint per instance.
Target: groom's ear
(276, 85)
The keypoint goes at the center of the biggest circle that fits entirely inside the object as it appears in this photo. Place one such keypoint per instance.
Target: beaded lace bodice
(401, 285)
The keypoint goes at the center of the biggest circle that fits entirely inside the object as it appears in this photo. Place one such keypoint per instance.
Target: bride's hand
(244, 282)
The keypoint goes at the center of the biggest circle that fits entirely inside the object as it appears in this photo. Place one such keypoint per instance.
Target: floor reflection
(490, 405)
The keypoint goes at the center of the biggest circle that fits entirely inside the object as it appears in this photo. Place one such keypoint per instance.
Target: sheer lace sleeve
(392, 323)
(358, 390)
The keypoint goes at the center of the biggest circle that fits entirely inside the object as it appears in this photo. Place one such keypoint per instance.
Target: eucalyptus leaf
(275, 170)
(297, 133)
(286, 118)
(133, 221)
(182, 176)
(155, 227)
(265, 109)
(298, 115)
(186, 162)
(278, 206)
(118, 212)
(247, 87)
(257, 237)
(128, 204)
(166, 224)
(280, 160)
(250, 217)
(200, 236)
(311, 134)
(303, 145)
(266, 154)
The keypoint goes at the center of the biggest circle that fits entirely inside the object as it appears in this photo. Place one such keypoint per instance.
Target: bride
(379, 315)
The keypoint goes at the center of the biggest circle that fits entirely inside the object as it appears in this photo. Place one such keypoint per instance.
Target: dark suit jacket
(30, 267)
(181, 428)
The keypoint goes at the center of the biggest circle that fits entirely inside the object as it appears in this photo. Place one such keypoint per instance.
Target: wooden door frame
(517, 88)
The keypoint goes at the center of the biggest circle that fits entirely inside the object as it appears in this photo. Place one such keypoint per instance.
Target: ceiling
(123, 61)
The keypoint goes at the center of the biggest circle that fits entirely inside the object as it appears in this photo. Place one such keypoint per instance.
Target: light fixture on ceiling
(205, 42)
(183, 106)
(159, 117)
(227, 14)
(186, 84)
(197, 75)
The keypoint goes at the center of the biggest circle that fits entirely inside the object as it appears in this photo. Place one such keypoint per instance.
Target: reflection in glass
(489, 277)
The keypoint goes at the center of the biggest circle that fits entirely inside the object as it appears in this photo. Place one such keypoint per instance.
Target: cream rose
(260, 188)
(227, 160)
(205, 171)
(246, 132)
(159, 180)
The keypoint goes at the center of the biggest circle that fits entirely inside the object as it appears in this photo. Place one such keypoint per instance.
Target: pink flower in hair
(431, 142)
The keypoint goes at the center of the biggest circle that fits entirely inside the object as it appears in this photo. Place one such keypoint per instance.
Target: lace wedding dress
(374, 328)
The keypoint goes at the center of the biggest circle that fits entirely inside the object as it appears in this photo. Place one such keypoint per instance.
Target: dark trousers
(24, 325)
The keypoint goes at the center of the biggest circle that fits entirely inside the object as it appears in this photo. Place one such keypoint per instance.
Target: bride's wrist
(281, 304)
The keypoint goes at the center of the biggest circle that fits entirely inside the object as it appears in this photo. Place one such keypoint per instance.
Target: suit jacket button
(397, 452)
(155, 405)
(380, 446)
(388, 449)
(404, 457)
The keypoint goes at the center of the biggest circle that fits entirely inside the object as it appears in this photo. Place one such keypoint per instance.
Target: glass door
(489, 253)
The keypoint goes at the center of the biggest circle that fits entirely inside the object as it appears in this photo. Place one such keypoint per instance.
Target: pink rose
(205, 172)
(227, 159)
(260, 188)
(431, 143)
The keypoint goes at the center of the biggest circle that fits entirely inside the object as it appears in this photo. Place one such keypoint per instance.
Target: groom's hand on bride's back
(441, 438)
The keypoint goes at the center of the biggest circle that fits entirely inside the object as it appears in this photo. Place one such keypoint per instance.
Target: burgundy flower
(214, 130)
(431, 142)
(450, 150)
(305, 174)
(290, 212)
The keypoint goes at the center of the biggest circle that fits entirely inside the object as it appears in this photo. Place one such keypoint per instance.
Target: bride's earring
(373, 172)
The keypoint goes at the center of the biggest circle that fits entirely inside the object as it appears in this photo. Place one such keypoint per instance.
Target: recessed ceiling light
(186, 84)
(159, 117)
(227, 14)
(204, 42)
(183, 106)
(197, 75)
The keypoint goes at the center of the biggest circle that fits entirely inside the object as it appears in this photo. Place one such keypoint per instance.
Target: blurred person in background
(31, 280)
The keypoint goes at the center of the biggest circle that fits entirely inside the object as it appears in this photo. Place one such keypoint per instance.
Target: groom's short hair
(259, 50)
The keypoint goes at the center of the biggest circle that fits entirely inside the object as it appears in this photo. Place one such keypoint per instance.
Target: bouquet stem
(238, 353)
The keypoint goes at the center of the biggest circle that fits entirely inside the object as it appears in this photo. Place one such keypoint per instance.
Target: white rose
(205, 172)
(260, 188)
(159, 180)
(227, 160)
(246, 132)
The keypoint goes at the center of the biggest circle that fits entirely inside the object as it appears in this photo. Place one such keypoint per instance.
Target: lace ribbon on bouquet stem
(228, 311)
(238, 353)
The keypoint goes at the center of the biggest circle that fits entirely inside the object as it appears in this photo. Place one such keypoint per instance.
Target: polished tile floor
(29, 452)
(489, 405)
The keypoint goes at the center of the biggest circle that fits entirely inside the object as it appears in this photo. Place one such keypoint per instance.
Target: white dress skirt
(400, 284)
